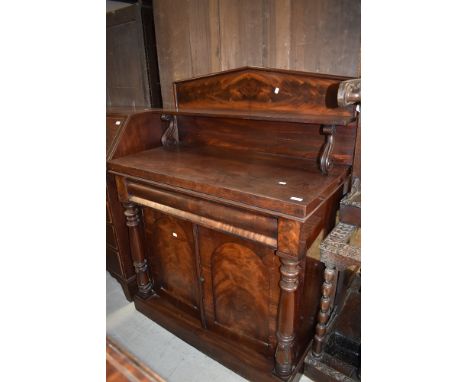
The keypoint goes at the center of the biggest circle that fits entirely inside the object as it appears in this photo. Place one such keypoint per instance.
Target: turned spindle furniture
(225, 199)
(335, 356)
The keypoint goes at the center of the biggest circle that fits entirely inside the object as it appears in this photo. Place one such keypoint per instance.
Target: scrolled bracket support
(326, 162)
(171, 135)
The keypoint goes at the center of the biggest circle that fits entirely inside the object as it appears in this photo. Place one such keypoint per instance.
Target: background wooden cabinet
(131, 57)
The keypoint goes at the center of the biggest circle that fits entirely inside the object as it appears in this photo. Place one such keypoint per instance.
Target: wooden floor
(172, 359)
(121, 366)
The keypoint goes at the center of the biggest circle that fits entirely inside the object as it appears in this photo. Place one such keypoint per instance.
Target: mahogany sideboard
(225, 198)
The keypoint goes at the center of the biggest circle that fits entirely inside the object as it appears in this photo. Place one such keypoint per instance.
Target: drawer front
(210, 214)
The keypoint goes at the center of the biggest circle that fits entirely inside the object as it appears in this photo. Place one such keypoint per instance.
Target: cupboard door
(170, 247)
(241, 290)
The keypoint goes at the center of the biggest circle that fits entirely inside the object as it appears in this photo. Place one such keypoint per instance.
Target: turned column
(286, 336)
(324, 314)
(133, 218)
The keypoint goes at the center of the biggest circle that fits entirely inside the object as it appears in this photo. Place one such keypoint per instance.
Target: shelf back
(262, 91)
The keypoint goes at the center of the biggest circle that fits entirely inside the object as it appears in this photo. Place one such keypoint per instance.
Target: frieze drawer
(244, 223)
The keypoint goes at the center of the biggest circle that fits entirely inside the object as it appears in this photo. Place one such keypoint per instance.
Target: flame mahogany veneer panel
(171, 255)
(241, 288)
(262, 90)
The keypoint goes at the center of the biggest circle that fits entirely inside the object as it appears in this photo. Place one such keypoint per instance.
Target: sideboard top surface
(292, 187)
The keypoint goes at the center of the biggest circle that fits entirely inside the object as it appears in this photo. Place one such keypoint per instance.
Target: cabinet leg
(284, 355)
(133, 219)
(325, 309)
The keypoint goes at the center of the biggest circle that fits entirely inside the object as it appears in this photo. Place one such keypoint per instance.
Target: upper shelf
(263, 116)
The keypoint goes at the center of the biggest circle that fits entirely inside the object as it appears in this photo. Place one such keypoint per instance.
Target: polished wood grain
(141, 132)
(240, 288)
(171, 254)
(289, 236)
(206, 222)
(211, 214)
(280, 138)
(252, 88)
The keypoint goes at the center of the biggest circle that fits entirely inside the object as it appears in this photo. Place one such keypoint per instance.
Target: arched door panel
(241, 291)
(172, 256)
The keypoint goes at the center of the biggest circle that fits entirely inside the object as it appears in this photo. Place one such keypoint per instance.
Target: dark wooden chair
(339, 256)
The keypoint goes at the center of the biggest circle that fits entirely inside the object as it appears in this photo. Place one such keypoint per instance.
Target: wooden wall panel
(204, 36)
(241, 33)
(126, 74)
(277, 35)
(197, 37)
(173, 43)
(326, 36)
